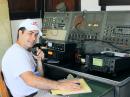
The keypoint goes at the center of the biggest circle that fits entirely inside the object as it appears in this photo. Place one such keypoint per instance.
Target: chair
(3, 89)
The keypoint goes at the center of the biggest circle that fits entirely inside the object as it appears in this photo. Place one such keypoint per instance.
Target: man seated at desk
(22, 74)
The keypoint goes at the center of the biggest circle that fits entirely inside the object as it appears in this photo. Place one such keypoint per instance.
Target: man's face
(28, 38)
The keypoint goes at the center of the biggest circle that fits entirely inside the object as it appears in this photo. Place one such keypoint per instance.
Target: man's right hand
(68, 85)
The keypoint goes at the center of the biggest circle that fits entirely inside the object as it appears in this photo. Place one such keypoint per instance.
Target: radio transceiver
(107, 64)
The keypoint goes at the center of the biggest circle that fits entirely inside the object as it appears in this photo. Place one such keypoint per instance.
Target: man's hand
(39, 55)
(69, 85)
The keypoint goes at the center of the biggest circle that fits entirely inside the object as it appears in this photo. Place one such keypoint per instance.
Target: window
(20, 9)
(63, 5)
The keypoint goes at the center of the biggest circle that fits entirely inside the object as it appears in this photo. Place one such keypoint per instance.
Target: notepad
(84, 89)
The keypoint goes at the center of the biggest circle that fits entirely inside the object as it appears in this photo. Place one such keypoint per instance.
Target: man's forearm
(43, 83)
(40, 68)
(38, 82)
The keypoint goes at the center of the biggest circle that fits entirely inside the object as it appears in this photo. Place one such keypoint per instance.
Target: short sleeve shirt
(16, 61)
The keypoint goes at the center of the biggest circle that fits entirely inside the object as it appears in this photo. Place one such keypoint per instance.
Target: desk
(121, 88)
(98, 90)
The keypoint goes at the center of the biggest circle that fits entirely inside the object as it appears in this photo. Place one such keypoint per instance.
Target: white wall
(118, 7)
(92, 5)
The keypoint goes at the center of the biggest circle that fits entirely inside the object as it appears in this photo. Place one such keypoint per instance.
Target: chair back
(3, 89)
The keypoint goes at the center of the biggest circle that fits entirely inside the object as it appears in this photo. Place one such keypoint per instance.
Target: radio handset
(34, 48)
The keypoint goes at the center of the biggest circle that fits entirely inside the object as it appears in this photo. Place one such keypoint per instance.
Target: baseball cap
(30, 24)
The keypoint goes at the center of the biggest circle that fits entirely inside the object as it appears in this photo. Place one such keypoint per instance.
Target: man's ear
(20, 32)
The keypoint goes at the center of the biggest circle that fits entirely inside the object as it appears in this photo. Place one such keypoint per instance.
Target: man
(22, 74)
